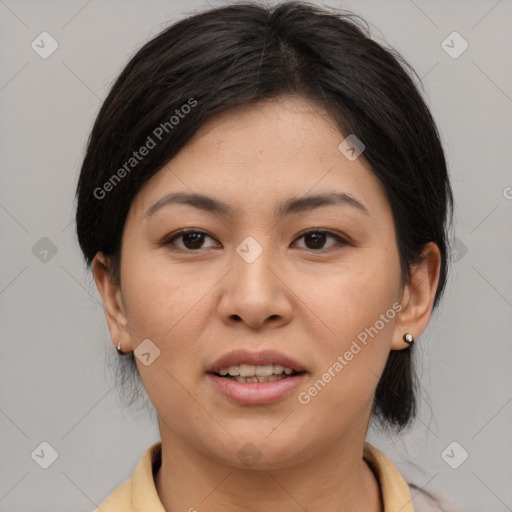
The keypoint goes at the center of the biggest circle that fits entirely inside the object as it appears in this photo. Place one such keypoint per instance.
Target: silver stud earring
(119, 351)
(408, 338)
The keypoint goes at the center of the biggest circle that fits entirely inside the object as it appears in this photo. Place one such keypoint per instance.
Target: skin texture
(307, 302)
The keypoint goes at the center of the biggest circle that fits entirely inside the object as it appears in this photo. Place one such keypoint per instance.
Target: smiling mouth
(256, 374)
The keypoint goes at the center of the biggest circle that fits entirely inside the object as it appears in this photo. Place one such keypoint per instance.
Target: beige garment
(139, 494)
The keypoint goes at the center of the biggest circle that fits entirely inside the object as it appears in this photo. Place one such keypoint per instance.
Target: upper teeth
(250, 370)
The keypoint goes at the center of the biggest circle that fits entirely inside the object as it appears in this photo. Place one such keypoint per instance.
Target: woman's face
(266, 272)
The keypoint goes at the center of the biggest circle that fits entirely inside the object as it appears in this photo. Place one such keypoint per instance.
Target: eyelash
(339, 240)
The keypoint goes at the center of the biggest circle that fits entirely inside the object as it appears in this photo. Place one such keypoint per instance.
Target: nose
(256, 292)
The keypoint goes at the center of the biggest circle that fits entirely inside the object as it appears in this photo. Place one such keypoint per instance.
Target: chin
(263, 453)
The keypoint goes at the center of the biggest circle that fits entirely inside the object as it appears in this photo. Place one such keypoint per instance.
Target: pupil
(318, 240)
(195, 238)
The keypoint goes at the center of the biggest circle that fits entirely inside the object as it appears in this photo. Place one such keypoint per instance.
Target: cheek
(169, 307)
(352, 295)
(163, 307)
(357, 305)
(159, 300)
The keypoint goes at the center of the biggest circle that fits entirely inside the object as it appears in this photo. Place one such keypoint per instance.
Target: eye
(315, 239)
(192, 240)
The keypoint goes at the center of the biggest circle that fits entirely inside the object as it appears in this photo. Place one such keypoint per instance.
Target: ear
(418, 297)
(112, 302)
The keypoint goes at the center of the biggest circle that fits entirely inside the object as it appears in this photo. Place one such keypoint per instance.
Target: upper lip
(261, 358)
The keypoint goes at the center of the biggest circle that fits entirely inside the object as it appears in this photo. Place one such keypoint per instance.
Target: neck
(337, 480)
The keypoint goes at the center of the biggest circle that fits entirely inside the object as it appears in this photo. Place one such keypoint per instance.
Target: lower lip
(256, 392)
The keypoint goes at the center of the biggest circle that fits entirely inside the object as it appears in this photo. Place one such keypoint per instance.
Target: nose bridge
(251, 264)
(254, 290)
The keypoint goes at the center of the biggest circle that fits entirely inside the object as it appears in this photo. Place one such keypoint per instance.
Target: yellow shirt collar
(138, 494)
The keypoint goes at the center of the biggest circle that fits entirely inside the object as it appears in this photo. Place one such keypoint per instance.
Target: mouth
(250, 373)
(251, 378)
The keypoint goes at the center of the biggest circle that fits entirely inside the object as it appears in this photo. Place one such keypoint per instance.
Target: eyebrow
(293, 205)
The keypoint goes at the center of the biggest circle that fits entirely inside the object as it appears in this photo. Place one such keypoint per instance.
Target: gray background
(56, 380)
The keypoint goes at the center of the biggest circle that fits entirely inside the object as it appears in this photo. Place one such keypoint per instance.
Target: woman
(264, 203)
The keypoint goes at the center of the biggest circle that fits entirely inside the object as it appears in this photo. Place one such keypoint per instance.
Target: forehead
(263, 154)
(285, 127)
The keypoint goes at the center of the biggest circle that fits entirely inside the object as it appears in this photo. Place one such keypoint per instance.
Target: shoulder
(394, 489)
(424, 502)
(397, 493)
(139, 492)
(119, 499)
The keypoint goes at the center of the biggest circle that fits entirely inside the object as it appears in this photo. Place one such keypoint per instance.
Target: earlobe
(112, 301)
(418, 298)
